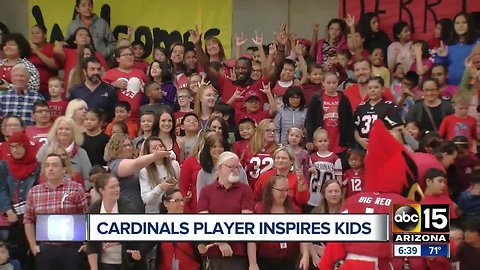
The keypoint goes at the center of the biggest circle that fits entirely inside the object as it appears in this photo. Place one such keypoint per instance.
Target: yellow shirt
(384, 73)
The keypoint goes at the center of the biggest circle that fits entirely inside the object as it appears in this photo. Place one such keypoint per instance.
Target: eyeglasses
(15, 146)
(43, 111)
(281, 190)
(127, 54)
(183, 97)
(238, 167)
(176, 200)
(271, 130)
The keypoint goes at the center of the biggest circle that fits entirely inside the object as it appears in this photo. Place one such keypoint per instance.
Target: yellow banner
(156, 23)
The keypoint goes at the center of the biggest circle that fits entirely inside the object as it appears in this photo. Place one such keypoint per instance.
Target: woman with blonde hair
(120, 156)
(259, 157)
(77, 110)
(64, 134)
(158, 176)
(205, 101)
(284, 164)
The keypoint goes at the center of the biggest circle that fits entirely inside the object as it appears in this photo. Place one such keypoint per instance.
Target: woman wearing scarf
(18, 173)
(65, 135)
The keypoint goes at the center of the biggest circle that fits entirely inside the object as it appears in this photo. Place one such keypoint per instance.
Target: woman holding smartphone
(157, 177)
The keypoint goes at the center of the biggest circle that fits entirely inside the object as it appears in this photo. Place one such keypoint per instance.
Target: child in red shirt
(354, 178)
(138, 49)
(57, 104)
(252, 105)
(246, 128)
(122, 113)
(460, 124)
(436, 183)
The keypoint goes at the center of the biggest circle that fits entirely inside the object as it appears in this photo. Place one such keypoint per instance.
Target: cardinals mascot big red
(391, 178)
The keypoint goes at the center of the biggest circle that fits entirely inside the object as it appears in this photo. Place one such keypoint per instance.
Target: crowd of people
(279, 128)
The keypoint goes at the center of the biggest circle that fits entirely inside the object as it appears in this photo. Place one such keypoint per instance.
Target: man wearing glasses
(227, 196)
(41, 115)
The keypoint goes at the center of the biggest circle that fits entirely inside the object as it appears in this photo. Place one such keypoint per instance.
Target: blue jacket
(9, 186)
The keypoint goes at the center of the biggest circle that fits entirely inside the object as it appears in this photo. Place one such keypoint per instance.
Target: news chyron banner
(245, 227)
(156, 23)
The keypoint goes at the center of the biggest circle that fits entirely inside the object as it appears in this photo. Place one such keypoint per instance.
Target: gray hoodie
(101, 35)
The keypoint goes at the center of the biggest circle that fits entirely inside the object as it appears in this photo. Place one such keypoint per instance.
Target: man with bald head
(19, 99)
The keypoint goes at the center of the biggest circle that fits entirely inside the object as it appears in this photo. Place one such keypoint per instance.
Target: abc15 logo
(416, 218)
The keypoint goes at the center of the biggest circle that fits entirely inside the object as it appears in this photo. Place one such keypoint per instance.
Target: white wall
(14, 13)
(266, 15)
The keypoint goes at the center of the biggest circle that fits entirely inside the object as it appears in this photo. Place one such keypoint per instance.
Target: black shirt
(366, 115)
(95, 148)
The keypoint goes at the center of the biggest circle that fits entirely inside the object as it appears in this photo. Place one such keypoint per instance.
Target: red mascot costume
(391, 178)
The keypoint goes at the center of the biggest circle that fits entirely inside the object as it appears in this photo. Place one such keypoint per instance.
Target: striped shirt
(68, 198)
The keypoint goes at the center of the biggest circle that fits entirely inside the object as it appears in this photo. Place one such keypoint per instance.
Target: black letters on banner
(429, 8)
(152, 37)
(403, 7)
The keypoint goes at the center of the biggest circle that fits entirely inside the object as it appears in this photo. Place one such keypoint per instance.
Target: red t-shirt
(442, 199)
(299, 198)
(331, 122)
(71, 59)
(353, 95)
(354, 182)
(453, 126)
(257, 117)
(310, 90)
(226, 89)
(134, 92)
(57, 108)
(141, 64)
(43, 70)
(37, 135)
(188, 175)
(241, 147)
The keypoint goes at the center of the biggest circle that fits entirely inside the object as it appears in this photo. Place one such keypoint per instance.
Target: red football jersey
(354, 182)
(258, 164)
(372, 202)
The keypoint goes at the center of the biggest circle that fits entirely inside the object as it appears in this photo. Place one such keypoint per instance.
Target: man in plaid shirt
(57, 195)
(19, 99)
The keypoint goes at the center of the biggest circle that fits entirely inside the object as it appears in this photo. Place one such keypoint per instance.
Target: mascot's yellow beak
(415, 193)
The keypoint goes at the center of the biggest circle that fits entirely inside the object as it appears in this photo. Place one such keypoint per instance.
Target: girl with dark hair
(292, 113)
(220, 126)
(160, 54)
(274, 255)
(102, 36)
(160, 72)
(374, 37)
(95, 139)
(166, 133)
(42, 56)
(214, 146)
(157, 177)
(146, 127)
(16, 49)
(442, 33)
(399, 50)
(430, 111)
(333, 42)
(459, 47)
(67, 52)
